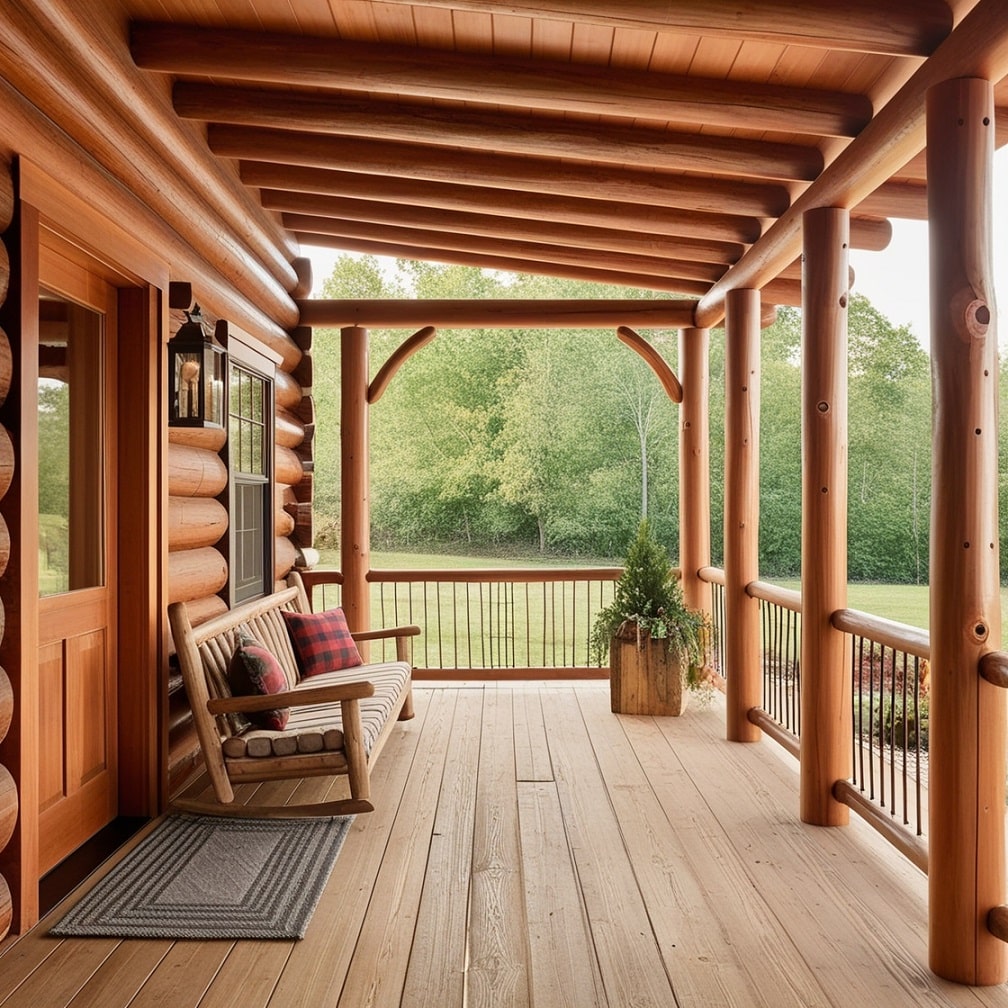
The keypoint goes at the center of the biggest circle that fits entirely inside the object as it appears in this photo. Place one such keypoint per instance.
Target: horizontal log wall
(197, 517)
(9, 801)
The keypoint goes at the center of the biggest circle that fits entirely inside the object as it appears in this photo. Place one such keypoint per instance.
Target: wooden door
(78, 786)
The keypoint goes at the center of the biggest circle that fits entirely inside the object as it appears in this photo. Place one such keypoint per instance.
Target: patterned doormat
(210, 877)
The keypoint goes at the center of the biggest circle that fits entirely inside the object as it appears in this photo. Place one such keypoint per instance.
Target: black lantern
(196, 368)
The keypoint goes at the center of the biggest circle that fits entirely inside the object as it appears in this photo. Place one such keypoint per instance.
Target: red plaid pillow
(322, 641)
(254, 671)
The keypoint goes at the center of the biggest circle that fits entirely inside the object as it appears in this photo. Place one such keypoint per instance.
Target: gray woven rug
(210, 877)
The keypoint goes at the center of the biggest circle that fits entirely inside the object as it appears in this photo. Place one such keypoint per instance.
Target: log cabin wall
(71, 101)
(197, 523)
(8, 785)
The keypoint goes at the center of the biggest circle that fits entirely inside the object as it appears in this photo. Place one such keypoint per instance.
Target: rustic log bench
(337, 724)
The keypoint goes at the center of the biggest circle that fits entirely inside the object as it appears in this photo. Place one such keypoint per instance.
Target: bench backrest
(205, 651)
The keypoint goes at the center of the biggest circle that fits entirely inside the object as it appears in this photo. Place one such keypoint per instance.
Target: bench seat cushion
(319, 728)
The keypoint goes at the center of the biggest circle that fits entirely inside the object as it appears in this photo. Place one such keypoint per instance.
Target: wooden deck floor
(531, 849)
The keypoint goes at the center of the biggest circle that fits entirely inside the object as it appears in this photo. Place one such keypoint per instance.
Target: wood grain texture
(694, 466)
(193, 522)
(195, 472)
(195, 574)
(825, 651)
(968, 721)
(695, 880)
(281, 182)
(742, 642)
(645, 677)
(497, 975)
(520, 83)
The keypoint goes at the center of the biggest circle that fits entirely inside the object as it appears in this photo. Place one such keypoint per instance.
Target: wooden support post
(355, 538)
(966, 877)
(694, 465)
(741, 647)
(825, 651)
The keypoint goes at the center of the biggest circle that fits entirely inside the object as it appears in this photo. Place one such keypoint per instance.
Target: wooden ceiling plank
(387, 69)
(715, 195)
(512, 36)
(509, 248)
(552, 40)
(500, 313)
(671, 221)
(479, 261)
(615, 144)
(978, 47)
(897, 27)
(488, 225)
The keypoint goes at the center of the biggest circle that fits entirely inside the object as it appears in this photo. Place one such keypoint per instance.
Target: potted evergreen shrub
(656, 645)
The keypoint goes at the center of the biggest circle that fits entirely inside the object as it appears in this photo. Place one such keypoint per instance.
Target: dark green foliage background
(557, 442)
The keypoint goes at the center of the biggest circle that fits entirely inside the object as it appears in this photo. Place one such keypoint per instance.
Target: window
(250, 437)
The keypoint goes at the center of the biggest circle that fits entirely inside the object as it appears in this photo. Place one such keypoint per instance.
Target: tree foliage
(562, 441)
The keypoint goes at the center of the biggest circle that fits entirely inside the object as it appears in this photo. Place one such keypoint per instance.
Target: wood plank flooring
(531, 849)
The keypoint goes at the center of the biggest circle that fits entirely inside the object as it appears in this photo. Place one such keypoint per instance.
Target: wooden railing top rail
(898, 636)
(786, 598)
(521, 575)
(712, 575)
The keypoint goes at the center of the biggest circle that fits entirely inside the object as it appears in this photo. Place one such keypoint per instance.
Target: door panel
(77, 582)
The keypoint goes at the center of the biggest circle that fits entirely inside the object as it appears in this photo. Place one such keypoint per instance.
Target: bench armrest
(399, 631)
(292, 698)
(400, 634)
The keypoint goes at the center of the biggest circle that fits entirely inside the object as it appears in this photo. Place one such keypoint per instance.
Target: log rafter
(340, 211)
(375, 68)
(654, 264)
(518, 203)
(504, 171)
(643, 144)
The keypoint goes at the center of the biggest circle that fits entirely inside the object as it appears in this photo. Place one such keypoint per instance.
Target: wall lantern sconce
(196, 368)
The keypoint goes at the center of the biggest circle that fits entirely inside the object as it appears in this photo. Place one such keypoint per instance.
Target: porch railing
(507, 623)
(889, 706)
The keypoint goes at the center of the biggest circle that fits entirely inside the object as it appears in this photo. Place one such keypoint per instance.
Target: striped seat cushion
(319, 728)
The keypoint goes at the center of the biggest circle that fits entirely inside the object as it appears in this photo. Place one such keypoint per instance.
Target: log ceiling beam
(903, 28)
(500, 171)
(502, 313)
(642, 144)
(978, 47)
(673, 285)
(434, 241)
(515, 203)
(899, 199)
(379, 68)
(490, 226)
(308, 190)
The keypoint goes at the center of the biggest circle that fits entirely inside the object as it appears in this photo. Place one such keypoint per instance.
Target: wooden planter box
(645, 678)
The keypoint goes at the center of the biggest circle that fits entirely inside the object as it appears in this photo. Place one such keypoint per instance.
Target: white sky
(894, 280)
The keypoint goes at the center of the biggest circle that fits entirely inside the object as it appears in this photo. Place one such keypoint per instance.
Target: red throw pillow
(321, 641)
(254, 671)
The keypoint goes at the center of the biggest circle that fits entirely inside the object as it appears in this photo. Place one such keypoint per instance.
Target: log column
(966, 871)
(355, 538)
(825, 651)
(694, 465)
(741, 646)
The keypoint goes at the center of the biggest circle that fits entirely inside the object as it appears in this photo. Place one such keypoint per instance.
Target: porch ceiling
(670, 146)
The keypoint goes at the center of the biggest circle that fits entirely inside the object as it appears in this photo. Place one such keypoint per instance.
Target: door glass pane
(71, 447)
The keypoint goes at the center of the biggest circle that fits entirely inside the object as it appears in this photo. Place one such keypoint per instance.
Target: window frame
(246, 355)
